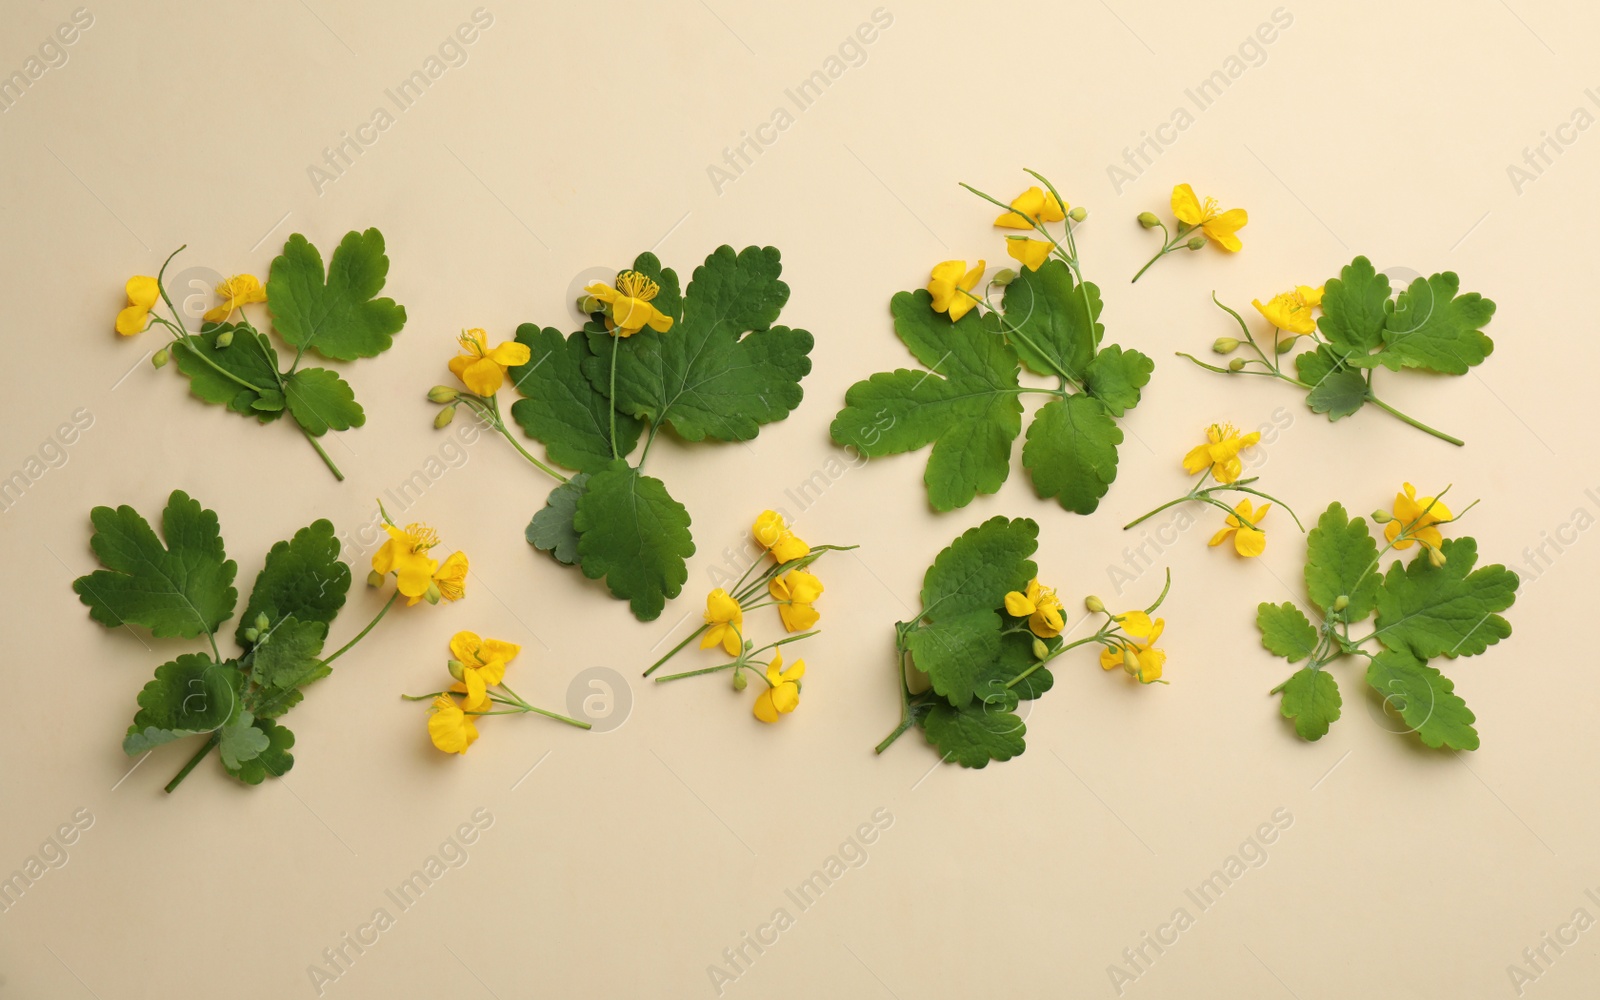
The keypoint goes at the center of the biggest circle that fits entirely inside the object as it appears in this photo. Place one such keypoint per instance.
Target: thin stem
(1414, 422)
(676, 649)
(612, 395)
(906, 716)
(1097, 637)
(200, 755)
(696, 673)
(1268, 496)
(647, 441)
(489, 412)
(370, 626)
(324, 455)
(500, 425)
(1147, 516)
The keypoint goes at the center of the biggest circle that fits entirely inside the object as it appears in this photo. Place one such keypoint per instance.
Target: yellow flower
(1141, 636)
(1220, 452)
(726, 619)
(950, 284)
(451, 577)
(1291, 311)
(406, 555)
(1040, 606)
(1029, 253)
(1218, 226)
(142, 295)
(483, 665)
(1032, 204)
(1247, 541)
(631, 310)
(776, 538)
(483, 370)
(782, 695)
(795, 591)
(1416, 516)
(239, 290)
(451, 729)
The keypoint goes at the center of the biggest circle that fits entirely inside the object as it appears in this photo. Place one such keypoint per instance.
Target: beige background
(577, 135)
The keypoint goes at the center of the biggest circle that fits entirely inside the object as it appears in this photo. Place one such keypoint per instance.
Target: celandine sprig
(791, 588)
(1199, 222)
(184, 589)
(1217, 458)
(478, 667)
(336, 314)
(706, 362)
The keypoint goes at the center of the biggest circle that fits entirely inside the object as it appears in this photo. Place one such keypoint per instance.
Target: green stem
(696, 673)
(363, 633)
(905, 693)
(489, 412)
(1414, 422)
(676, 649)
(501, 427)
(647, 441)
(200, 755)
(324, 455)
(1268, 496)
(1097, 637)
(612, 395)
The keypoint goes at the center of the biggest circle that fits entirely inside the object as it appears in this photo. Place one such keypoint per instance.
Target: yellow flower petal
(451, 729)
(764, 708)
(1018, 605)
(132, 320)
(1249, 542)
(482, 376)
(1185, 206)
(1029, 253)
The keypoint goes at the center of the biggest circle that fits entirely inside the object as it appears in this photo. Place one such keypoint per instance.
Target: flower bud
(457, 669)
(1381, 517)
(1003, 277)
(1078, 214)
(1130, 661)
(1149, 220)
(1094, 604)
(1341, 602)
(262, 622)
(1040, 650)
(1196, 243)
(748, 645)
(1285, 346)
(433, 596)
(159, 359)
(442, 394)
(224, 339)
(588, 305)
(1225, 345)
(740, 681)
(1236, 365)
(250, 635)
(444, 416)
(1435, 557)
(374, 579)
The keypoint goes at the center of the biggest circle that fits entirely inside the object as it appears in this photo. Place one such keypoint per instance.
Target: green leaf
(966, 405)
(270, 703)
(1355, 307)
(1016, 657)
(274, 759)
(338, 317)
(561, 409)
(1425, 699)
(977, 570)
(286, 652)
(632, 533)
(250, 358)
(180, 589)
(1052, 324)
(1311, 699)
(241, 741)
(955, 650)
(1435, 329)
(1341, 560)
(1286, 631)
(188, 696)
(1448, 610)
(723, 370)
(319, 399)
(303, 576)
(551, 529)
(1071, 452)
(1115, 377)
(1338, 393)
(974, 735)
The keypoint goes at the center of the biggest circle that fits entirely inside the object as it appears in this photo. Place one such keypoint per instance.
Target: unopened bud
(444, 416)
(1225, 345)
(262, 622)
(433, 596)
(159, 358)
(1003, 277)
(1285, 346)
(1040, 650)
(374, 579)
(457, 669)
(250, 635)
(1078, 214)
(1094, 604)
(588, 305)
(1149, 220)
(1130, 661)
(224, 339)
(442, 394)
(740, 681)
(1341, 602)
(748, 645)
(1196, 243)
(1381, 517)
(1435, 557)
(1236, 365)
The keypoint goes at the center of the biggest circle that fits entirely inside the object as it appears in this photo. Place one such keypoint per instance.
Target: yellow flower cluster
(144, 292)
(477, 664)
(952, 282)
(1220, 453)
(418, 576)
(482, 369)
(1135, 651)
(1040, 606)
(627, 304)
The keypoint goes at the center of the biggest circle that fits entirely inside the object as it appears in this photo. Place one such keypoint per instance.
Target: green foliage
(632, 533)
(967, 403)
(1423, 611)
(561, 409)
(551, 529)
(319, 400)
(974, 735)
(185, 588)
(249, 358)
